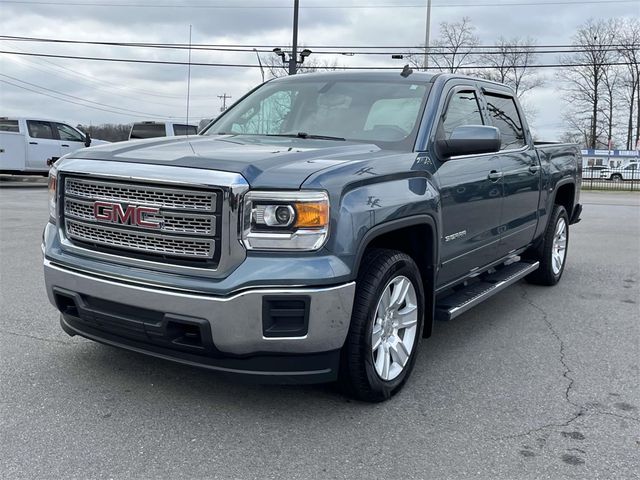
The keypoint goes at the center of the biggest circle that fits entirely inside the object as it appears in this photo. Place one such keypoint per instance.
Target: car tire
(388, 315)
(616, 177)
(552, 254)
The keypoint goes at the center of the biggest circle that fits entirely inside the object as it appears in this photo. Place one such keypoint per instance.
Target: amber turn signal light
(312, 214)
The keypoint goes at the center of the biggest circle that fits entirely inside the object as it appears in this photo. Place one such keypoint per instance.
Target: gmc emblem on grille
(132, 215)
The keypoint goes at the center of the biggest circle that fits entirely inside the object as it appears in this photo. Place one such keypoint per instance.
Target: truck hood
(265, 162)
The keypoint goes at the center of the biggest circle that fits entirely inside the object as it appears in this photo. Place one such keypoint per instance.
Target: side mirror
(470, 140)
(87, 139)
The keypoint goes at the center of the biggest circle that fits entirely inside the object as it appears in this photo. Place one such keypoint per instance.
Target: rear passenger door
(470, 192)
(520, 169)
(42, 144)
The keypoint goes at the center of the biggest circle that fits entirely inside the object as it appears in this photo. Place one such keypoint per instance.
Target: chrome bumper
(235, 321)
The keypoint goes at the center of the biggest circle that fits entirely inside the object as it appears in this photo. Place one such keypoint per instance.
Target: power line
(103, 84)
(324, 7)
(269, 48)
(491, 49)
(124, 110)
(65, 99)
(249, 65)
(95, 83)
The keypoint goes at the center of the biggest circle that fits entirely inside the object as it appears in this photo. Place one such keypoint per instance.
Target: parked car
(631, 171)
(26, 144)
(314, 231)
(593, 171)
(161, 129)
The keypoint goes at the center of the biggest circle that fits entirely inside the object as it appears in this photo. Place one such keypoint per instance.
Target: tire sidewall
(389, 387)
(561, 213)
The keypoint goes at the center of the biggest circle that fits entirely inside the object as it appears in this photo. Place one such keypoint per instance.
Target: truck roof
(422, 77)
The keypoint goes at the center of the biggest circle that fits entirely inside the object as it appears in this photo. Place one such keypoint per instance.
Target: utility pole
(224, 97)
(427, 33)
(189, 77)
(293, 59)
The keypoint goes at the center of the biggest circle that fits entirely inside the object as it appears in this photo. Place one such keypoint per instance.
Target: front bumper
(224, 333)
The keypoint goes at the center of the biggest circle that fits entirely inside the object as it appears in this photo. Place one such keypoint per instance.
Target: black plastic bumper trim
(260, 368)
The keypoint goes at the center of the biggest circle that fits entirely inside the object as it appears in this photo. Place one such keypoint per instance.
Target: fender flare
(392, 225)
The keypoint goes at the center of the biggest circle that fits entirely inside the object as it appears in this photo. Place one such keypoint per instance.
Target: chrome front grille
(141, 195)
(182, 224)
(173, 222)
(141, 242)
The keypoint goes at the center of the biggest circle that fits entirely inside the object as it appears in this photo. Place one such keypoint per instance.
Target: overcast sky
(160, 90)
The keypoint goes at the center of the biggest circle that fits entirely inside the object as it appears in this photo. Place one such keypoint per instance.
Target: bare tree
(451, 50)
(512, 62)
(609, 103)
(584, 84)
(630, 53)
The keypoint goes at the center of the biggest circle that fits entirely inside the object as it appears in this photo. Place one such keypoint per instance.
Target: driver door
(470, 193)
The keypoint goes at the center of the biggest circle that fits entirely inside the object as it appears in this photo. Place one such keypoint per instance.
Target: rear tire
(386, 326)
(552, 254)
(616, 177)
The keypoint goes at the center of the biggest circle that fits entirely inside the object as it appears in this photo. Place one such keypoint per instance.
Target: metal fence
(611, 179)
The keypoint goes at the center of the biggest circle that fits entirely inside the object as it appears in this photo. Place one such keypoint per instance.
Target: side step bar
(460, 301)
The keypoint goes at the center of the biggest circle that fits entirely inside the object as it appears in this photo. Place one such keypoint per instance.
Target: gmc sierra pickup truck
(314, 231)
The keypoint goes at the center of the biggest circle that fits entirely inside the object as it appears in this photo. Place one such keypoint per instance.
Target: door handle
(33, 143)
(534, 168)
(64, 145)
(494, 175)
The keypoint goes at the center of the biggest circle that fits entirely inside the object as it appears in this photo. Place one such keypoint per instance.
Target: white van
(27, 144)
(161, 129)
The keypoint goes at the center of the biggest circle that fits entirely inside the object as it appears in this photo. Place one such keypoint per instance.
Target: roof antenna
(406, 71)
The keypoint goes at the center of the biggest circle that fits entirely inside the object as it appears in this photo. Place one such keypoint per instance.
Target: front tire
(552, 254)
(386, 326)
(616, 177)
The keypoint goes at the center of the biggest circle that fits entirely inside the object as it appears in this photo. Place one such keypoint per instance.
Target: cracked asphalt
(535, 383)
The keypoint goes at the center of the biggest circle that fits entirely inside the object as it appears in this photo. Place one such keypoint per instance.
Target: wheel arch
(565, 195)
(417, 236)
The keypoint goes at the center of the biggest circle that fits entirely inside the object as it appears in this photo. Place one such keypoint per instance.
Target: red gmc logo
(132, 215)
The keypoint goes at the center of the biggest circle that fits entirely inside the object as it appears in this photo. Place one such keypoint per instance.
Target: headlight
(286, 220)
(53, 193)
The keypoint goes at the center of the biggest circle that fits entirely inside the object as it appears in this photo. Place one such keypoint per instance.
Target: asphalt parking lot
(535, 383)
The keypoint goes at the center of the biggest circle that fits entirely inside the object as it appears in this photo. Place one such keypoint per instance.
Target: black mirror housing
(87, 139)
(470, 140)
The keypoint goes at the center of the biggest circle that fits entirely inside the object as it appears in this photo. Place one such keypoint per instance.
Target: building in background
(609, 158)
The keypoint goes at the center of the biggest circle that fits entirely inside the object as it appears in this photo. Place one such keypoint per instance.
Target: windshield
(384, 113)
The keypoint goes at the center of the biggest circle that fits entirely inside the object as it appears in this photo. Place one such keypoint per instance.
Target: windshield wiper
(305, 135)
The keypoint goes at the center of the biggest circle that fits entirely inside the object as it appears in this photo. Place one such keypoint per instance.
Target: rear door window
(504, 115)
(9, 126)
(148, 130)
(38, 129)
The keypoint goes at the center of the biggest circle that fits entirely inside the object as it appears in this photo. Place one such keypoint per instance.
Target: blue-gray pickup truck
(314, 231)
